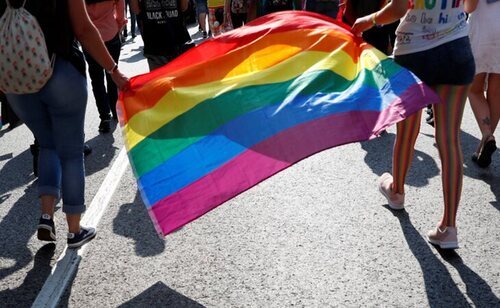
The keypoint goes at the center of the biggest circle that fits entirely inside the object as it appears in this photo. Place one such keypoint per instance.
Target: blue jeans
(56, 115)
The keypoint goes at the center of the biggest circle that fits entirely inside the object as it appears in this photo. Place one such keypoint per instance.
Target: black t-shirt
(271, 6)
(53, 18)
(164, 31)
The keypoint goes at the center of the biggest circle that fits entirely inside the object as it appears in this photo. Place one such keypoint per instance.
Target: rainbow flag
(239, 108)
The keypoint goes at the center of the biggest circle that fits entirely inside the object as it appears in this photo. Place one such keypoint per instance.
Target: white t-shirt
(485, 36)
(430, 23)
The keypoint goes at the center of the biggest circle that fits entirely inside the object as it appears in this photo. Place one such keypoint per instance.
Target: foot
(85, 235)
(396, 201)
(204, 34)
(105, 126)
(46, 229)
(444, 238)
(484, 157)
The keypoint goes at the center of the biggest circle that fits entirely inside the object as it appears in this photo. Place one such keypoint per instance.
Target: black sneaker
(430, 116)
(105, 126)
(46, 229)
(85, 235)
(204, 34)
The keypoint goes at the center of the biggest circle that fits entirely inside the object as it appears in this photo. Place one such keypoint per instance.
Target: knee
(448, 143)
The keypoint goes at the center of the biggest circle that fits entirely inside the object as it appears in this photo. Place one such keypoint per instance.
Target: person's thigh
(478, 84)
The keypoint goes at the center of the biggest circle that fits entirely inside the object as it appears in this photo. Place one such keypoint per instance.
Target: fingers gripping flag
(239, 108)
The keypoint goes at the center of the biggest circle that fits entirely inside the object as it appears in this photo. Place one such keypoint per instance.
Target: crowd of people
(452, 46)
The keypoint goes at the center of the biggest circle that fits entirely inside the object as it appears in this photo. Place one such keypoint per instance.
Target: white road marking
(65, 267)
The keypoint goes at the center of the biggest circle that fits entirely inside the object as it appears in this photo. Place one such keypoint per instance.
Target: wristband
(374, 22)
(111, 71)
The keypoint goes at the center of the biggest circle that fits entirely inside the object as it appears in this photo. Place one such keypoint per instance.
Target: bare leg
(493, 98)
(404, 147)
(48, 204)
(480, 107)
(73, 222)
(202, 20)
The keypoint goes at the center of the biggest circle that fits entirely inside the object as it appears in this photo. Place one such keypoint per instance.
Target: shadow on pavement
(64, 300)
(17, 172)
(423, 167)
(379, 159)
(25, 294)
(477, 289)
(132, 58)
(133, 221)
(490, 175)
(18, 226)
(441, 289)
(103, 152)
(159, 295)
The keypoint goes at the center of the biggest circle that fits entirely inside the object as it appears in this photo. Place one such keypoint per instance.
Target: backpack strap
(10, 5)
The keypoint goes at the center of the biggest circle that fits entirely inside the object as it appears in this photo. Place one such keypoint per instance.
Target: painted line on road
(65, 267)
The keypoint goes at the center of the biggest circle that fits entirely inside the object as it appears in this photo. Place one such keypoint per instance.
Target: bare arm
(470, 5)
(87, 34)
(393, 11)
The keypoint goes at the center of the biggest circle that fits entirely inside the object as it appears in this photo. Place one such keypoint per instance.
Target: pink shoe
(396, 201)
(446, 239)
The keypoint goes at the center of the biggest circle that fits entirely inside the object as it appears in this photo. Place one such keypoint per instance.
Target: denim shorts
(201, 7)
(451, 63)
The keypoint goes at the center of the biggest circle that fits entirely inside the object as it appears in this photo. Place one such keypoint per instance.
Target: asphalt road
(315, 235)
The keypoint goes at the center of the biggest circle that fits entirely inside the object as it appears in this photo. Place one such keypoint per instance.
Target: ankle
(488, 136)
(443, 226)
(396, 191)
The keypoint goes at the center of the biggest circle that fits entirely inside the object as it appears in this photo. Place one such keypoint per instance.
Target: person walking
(235, 12)
(55, 114)
(484, 95)
(201, 13)
(431, 41)
(164, 31)
(133, 21)
(108, 17)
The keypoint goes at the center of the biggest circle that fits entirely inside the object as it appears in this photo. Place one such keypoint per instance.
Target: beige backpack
(25, 65)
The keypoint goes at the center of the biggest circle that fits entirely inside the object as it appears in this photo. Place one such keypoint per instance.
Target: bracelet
(111, 71)
(374, 22)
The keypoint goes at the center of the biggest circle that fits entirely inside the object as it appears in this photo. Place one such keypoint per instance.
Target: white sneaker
(395, 201)
(446, 238)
